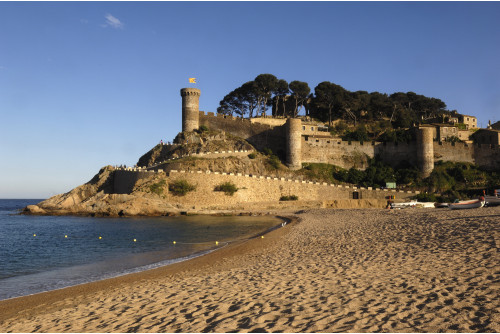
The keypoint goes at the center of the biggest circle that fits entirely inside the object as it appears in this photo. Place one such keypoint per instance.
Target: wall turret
(293, 143)
(190, 109)
(425, 150)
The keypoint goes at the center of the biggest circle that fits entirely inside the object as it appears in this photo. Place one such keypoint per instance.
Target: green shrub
(427, 197)
(289, 198)
(202, 128)
(340, 127)
(157, 188)
(397, 136)
(181, 187)
(453, 139)
(407, 176)
(227, 187)
(252, 155)
(355, 176)
(267, 151)
(274, 162)
(319, 171)
(360, 134)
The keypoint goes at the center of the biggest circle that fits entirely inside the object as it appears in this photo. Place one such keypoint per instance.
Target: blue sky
(87, 84)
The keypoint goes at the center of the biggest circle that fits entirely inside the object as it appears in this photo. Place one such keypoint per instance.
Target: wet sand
(365, 270)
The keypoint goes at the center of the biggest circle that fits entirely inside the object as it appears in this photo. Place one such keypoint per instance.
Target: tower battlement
(190, 92)
(190, 109)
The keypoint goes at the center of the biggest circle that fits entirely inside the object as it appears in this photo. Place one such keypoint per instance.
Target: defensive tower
(190, 109)
(293, 143)
(425, 150)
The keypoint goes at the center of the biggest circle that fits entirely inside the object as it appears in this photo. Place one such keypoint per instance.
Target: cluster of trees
(254, 98)
(377, 174)
(328, 102)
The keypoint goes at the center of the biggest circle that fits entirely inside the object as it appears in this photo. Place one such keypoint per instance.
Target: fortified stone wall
(339, 153)
(271, 121)
(397, 154)
(343, 153)
(455, 152)
(259, 135)
(354, 154)
(487, 156)
(125, 180)
(255, 189)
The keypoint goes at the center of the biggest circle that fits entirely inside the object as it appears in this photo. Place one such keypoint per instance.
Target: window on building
(312, 128)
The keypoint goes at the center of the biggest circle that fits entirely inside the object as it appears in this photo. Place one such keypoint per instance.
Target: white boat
(412, 204)
(492, 200)
(472, 204)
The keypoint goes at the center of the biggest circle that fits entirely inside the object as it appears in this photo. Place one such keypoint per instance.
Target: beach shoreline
(11, 306)
(414, 270)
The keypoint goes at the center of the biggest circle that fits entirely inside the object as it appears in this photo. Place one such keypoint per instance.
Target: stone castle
(119, 191)
(299, 140)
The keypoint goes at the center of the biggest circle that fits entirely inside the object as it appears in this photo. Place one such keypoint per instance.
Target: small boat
(472, 204)
(492, 200)
(412, 204)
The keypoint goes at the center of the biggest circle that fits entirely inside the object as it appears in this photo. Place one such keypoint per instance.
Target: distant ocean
(42, 253)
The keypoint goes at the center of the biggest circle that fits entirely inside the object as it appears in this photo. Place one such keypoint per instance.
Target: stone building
(464, 135)
(487, 136)
(495, 126)
(469, 121)
(445, 131)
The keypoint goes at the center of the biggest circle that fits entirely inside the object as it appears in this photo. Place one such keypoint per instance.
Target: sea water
(42, 253)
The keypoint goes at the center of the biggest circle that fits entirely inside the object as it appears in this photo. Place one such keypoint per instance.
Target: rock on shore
(95, 198)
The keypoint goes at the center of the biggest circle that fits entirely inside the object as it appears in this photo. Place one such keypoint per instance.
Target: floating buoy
(135, 240)
(175, 242)
(100, 238)
(34, 235)
(66, 236)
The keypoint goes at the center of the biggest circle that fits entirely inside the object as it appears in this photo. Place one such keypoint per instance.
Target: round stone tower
(190, 109)
(425, 150)
(293, 143)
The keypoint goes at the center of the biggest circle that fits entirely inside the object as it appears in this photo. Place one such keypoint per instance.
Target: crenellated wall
(455, 152)
(253, 188)
(347, 154)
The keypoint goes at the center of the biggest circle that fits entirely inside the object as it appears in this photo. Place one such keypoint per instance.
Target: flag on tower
(192, 80)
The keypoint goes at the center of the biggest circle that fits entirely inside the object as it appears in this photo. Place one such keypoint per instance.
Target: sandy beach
(343, 270)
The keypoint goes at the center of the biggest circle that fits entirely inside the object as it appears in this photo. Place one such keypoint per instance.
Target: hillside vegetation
(328, 102)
